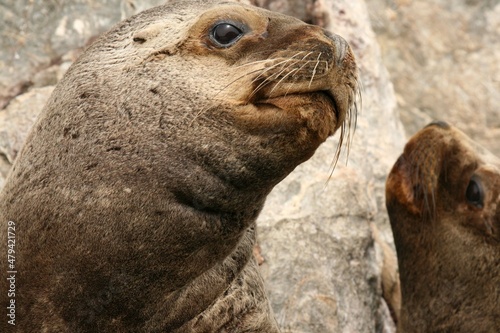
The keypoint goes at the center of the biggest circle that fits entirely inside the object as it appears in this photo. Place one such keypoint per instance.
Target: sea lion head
(443, 199)
(214, 102)
(252, 91)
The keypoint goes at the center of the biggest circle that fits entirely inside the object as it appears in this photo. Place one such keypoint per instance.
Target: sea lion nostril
(329, 34)
(340, 46)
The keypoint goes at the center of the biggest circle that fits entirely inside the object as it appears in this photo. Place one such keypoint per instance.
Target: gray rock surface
(35, 34)
(444, 61)
(21, 111)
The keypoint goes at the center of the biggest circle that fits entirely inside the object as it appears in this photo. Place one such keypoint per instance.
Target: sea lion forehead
(455, 141)
(198, 9)
(176, 14)
(483, 155)
(245, 17)
(169, 26)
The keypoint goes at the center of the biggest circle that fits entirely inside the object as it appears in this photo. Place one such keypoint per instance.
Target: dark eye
(226, 34)
(474, 193)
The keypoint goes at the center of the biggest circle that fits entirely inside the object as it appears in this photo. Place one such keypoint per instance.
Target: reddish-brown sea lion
(443, 199)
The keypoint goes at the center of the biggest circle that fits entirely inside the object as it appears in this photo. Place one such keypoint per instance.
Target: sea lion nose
(440, 124)
(340, 44)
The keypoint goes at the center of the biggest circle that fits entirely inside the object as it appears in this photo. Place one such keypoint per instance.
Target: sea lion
(443, 199)
(135, 197)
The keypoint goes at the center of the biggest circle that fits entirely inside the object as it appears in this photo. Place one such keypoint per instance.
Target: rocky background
(322, 257)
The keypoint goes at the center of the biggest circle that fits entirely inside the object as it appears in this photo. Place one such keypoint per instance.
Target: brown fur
(136, 193)
(448, 247)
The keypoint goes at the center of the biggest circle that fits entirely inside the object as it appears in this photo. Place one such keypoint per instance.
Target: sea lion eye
(225, 34)
(474, 193)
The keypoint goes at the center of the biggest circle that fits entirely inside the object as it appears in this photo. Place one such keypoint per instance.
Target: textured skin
(448, 248)
(136, 193)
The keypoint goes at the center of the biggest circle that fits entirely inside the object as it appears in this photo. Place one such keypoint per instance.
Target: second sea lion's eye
(225, 34)
(474, 193)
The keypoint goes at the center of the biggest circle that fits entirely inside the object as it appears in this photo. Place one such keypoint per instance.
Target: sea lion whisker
(314, 70)
(349, 125)
(265, 61)
(307, 55)
(259, 87)
(264, 71)
(283, 63)
(352, 122)
(270, 78)
(297, 70)
(269, 54)
(291, 72)
(199, 113)
(338, 150)
(344, 128)
(239, 78)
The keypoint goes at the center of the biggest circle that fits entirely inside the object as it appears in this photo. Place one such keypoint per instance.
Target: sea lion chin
(443, 199)
(135, 195)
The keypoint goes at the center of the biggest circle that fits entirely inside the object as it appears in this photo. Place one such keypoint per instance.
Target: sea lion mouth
(317, 111)
(306, 95)
(335, 108)
(322, 100)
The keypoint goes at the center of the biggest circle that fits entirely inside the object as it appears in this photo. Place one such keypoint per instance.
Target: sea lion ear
(161, 37)
(148, 33)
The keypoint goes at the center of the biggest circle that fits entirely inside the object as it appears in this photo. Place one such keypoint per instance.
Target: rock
(15, 123)
(297, 8)
(34, 34)
(443, 57)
